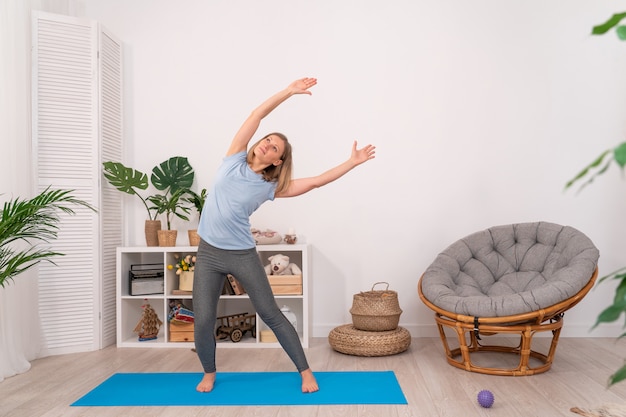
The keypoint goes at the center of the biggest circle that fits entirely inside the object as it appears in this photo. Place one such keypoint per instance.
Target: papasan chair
(516, 279)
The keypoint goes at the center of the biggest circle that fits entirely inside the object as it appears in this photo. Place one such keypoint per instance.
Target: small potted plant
(170, 205)
(169, 176)
(197, 200)
(185, 266)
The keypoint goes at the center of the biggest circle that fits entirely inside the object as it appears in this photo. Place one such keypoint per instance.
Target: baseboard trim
(430, 330)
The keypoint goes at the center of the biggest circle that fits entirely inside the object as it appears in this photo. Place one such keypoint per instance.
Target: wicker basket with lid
(376, 310)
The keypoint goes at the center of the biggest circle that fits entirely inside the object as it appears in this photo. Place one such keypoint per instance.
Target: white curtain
(20, 331)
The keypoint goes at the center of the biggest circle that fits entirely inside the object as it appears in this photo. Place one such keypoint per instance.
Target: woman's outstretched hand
(302, 86)
(361, 155)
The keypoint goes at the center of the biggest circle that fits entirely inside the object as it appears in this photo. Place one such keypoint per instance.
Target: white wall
(480, 111)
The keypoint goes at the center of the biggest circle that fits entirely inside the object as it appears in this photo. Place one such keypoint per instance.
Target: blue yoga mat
(245, 388)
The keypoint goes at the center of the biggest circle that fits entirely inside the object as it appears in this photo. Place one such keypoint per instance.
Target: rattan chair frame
(469, 328)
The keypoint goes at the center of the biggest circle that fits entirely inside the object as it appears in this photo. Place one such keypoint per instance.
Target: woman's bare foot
(206, 385)
(309, 383)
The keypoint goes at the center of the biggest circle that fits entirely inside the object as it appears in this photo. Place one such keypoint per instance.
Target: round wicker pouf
(349, 340)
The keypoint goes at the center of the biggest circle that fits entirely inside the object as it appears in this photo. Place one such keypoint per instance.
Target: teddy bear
(280, 265)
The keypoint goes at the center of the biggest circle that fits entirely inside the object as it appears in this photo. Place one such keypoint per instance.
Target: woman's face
(270, 150)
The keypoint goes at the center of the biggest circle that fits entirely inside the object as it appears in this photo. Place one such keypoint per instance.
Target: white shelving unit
(129, 307)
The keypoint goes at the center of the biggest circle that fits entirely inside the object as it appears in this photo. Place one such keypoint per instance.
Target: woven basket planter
(167, 237)
(351, 341)
(376, 310)
(194, 237)
(151, 229)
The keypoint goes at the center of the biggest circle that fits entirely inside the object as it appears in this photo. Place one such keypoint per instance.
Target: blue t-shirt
(236, 193)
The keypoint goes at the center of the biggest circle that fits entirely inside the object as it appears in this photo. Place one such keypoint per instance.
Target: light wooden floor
(432, 387)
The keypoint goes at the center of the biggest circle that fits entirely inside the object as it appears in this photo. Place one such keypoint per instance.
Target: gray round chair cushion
(510, 270)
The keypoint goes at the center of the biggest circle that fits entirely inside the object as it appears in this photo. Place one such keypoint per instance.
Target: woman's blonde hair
(280, 174)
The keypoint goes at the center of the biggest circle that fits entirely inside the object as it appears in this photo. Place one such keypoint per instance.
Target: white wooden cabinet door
(77, 124)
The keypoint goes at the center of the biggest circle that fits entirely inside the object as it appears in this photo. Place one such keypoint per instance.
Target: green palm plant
(170, 205)
(36, 219)
(597, 167)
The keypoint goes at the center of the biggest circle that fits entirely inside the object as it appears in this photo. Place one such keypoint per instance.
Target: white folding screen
(77, 124)
(111, 212)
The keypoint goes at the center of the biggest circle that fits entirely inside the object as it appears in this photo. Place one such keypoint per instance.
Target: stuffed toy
(280, 265)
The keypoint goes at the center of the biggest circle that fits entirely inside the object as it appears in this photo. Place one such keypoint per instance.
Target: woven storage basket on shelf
(376, 310)
(346, 339)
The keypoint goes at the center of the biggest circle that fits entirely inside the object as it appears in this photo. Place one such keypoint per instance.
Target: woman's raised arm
(251, 124)
(304, 185)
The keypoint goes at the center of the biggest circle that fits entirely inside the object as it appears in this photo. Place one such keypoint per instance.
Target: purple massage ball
(485, 398)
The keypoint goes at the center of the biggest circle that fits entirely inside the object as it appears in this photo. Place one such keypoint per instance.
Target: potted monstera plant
(597, 167)
(32, 220)
(170, 176)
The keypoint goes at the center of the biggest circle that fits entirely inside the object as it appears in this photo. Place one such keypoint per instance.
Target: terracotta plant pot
(167, 237)
(151, 228)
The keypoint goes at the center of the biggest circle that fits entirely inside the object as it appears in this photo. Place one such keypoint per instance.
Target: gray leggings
(212, 265)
